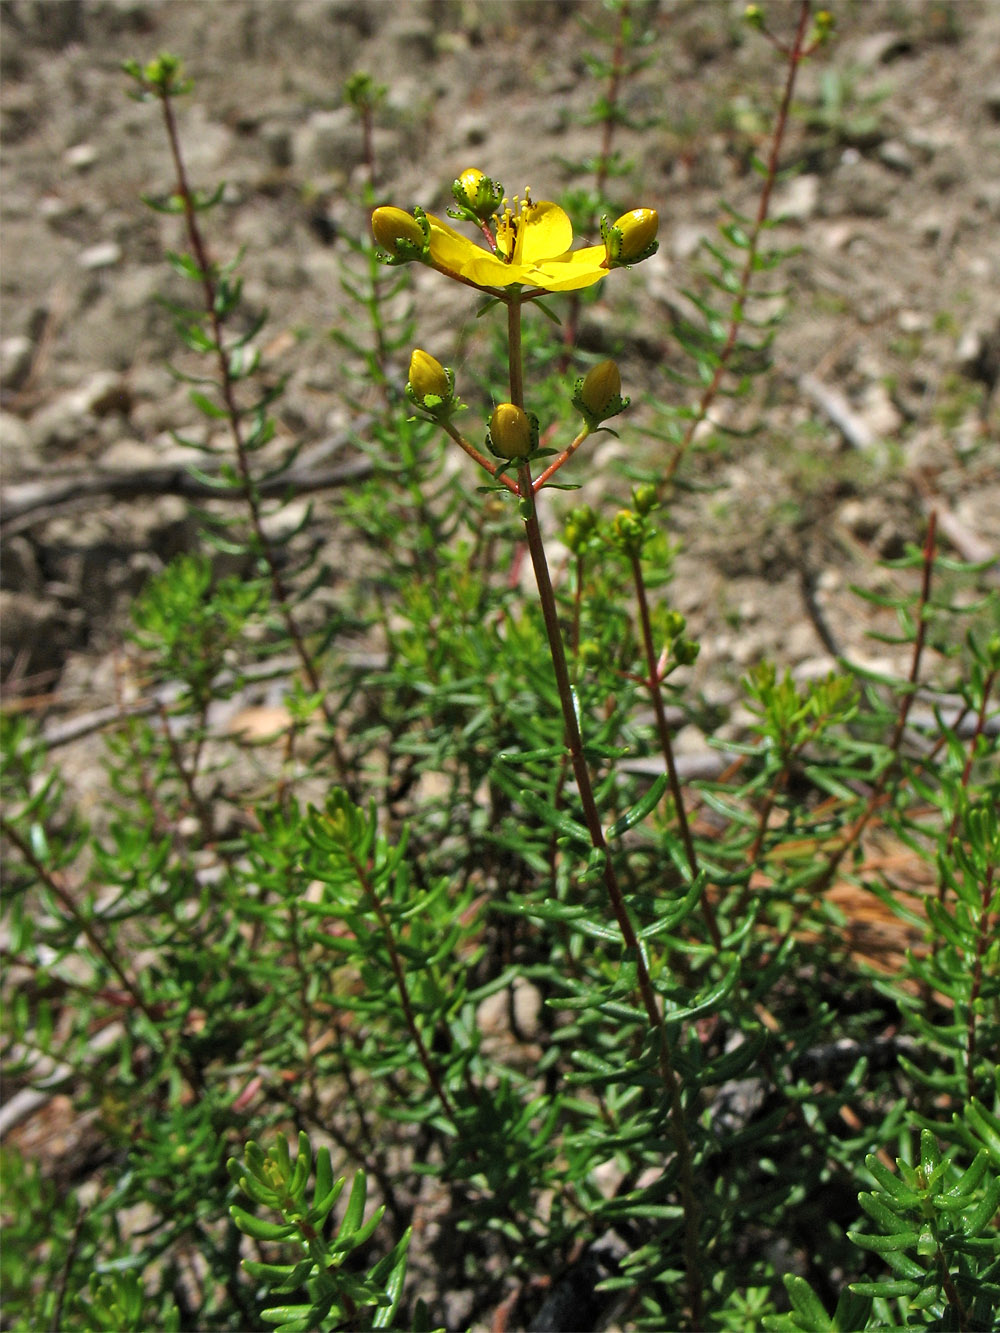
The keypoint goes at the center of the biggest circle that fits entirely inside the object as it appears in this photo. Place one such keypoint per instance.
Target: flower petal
(579, 268)
(545, 233)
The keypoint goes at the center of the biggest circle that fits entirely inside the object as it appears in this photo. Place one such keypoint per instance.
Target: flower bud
(402, 236)
(632, 238)
(628, 532)
(753, 16)
(477, 193)
(599, 394)
(430, 386)
(686, 651)
(823, 27)
(645, 498)
(580, 526)
(512, 433)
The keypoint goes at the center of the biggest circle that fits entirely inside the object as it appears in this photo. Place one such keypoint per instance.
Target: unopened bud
(476, 192)
(512, 433)
(628, 532)
(581, 525)
(599, 394)
(402, 236)
(823, 26)
(632, 238)
(430, 386)
(645, 498)
(753, 16)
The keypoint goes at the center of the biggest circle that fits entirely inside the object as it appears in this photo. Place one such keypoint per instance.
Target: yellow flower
(533, 250)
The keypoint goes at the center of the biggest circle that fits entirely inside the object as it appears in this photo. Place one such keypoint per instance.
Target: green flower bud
(431, 386)
(628, 532)
(823, 27)
(599, 394)
(753, 16)
(477, 193)
(403, 237)
(632, 238)
(686, 651)
(580, 526)
(512, 432)
(645, 498)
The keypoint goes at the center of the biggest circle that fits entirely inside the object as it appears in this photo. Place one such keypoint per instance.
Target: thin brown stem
(557, 462)
(53, 882)
(654, 685)
(399, 972)
(986, 933)
(795, 55)
(514, 347)
(234, 418)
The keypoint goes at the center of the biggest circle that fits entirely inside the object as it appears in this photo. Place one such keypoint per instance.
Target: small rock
(64, 421)
(20, 570)
(103, 255)
(881, 48)
(879, 413)
(81, 156)
(33, 632)
(797, 201)
(859, 187)
(913, 321)
(16, 448)
(277, 140)
(527, 1009)
(130, 456)
(686, 239)
(896, 156)
(329, 141)
(15, 360)
(978, 354)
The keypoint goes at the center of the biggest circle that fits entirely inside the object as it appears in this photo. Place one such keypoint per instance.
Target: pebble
(329, 142)
(797, 201)
(15, 360)
(81, 156)
(105, 254)
(68, 418)
(895, 155)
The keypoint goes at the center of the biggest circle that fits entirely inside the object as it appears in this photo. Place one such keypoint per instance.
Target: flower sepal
(598, 394)
(632, 238)
(404, 238)
(478, 197)
(512, 433)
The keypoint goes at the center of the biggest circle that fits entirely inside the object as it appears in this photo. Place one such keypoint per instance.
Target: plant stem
(654, 683)
(795, 55)
(251, 495)
(514, 347)
(592, 817)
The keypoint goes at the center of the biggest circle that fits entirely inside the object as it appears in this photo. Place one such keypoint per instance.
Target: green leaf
(639, 811)
(205, 405)
(259, 1228)
(902, 1240)
(810, 1315)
